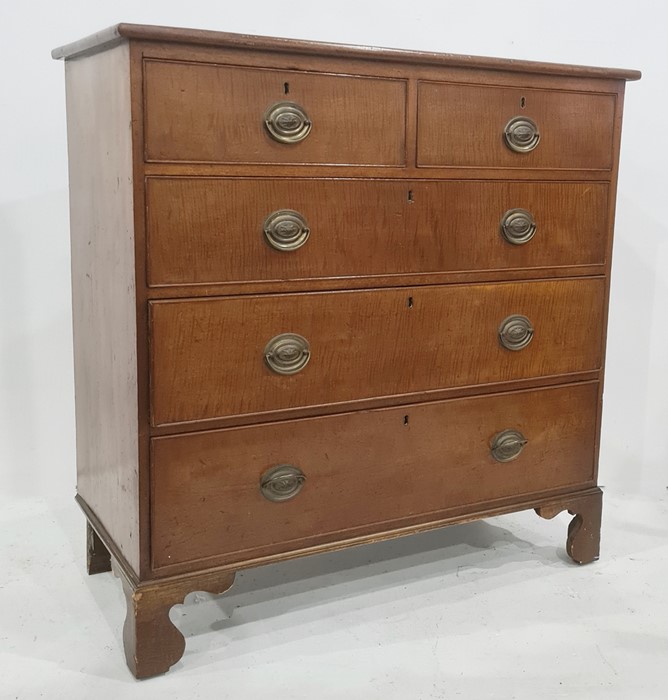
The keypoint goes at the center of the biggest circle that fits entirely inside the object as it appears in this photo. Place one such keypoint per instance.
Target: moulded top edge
(113, 35)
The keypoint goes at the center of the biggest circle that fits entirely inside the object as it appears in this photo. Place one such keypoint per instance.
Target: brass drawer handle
(518, 226)
(507, 445)
(515, 332)
(286, 230)
(287, 353)
(287, 122)
(521, 134)
(281, 483)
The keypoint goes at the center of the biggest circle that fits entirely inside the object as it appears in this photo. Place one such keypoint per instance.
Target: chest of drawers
(325, 295)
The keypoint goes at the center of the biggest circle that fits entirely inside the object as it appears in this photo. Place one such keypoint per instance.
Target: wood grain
(360, 65)
(98, 559)
(408, 172)
(212, 113)
(611, 223)
(152, 643)
(103, 292)
(210, 230)
(208, 355)
(400, 291)
(463, 125)
(248, 43)
(362, 471)
(584, 530)
(143, 394)
(218, 289)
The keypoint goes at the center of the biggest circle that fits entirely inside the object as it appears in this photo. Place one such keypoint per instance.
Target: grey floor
(492, 609)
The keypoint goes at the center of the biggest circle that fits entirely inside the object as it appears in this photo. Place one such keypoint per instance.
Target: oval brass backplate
(287, 353)
(507, 445)
(518, 226)
(281, 483)
(287, 122)
(515, 332)
(521, 134)
(285, 230)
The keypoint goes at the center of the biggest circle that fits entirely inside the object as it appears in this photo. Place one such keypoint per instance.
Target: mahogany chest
(325, 295)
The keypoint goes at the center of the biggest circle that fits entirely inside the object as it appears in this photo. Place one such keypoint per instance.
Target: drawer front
(208, 230)
(213, 113)
(464, 126)
(211, 358)
(364, 472)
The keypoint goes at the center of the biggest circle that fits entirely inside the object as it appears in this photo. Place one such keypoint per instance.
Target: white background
(593, 631)
(36, 386)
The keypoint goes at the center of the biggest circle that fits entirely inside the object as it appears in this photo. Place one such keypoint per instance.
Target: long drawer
(247, 355)
(513, 127)
(239, 493)
(208, 230)
(213, 113)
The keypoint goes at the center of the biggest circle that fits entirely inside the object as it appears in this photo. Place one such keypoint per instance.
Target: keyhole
(286, 88)
(410, 196)
(410, 302)
(405, 420)
(523, 102)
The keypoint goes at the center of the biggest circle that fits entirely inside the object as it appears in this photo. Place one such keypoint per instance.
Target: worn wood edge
(584, 531)
(403, 168)
(152, 642)
(141, 316)
(476, 512)
(395, 400)
(209, 581)
(380, 288)
(112, 35)
(213, 581)
(94, 43)
(318, 171)
(379, 402)
(107, 540)
(171, 290)
(567, 502)
(97, 562)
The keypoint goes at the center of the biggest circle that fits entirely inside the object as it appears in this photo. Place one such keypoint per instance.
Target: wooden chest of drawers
(325, 295)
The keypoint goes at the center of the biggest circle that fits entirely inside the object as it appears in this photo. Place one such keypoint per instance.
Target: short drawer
(213, 358)
(235, 494)
(222, 114)
(213, 230)
(466, 126)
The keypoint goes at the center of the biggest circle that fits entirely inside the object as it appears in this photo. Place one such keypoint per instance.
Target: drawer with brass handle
(300, 350)
(291, 117)
(307, 229)
(260, 490)
(287, 353)
(485, 126)
(282, 483)
(326, 295)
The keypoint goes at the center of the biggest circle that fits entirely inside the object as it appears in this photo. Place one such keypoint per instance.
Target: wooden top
(116, 34)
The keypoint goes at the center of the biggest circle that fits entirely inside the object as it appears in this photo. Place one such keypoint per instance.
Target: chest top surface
(113, 35)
